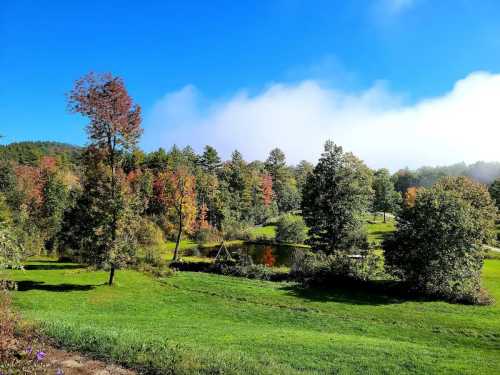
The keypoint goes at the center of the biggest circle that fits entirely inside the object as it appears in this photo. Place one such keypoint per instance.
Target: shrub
(263, 238)
(233, 268)
(205, 235)
(437, 247)
(291, 229)
(236, 230)
(324, 270)
(149, 233)
(253, 271)
(192, 252)
(153, 255)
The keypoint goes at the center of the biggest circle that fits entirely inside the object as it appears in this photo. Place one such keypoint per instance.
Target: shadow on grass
(24, 286)
(382, 233)
(53, 265)
(372, 293)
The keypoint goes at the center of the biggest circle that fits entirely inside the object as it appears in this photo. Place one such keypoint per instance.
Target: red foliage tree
(48, 163)
(268, 257)
(115, 125)
(267, 189)
(29, 184)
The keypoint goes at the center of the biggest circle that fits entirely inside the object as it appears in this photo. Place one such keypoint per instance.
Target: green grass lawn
(377, 229)
(268, 231)
(206, 323)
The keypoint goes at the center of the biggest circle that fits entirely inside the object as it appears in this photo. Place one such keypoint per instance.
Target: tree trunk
(113, 198)
(384, 216)
(176, 251)
(111, 275)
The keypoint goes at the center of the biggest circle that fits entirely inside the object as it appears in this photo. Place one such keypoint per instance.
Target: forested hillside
(30, 153)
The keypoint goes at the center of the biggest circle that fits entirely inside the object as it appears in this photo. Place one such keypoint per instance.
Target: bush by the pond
(320, 269)
(251, 271)
(291, 229)
(233, 268)
(235, 230)
(209, 234)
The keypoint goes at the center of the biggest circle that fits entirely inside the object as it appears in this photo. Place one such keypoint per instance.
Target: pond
(268, 254)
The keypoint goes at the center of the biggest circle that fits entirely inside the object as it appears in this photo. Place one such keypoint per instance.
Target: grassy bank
(198, 322)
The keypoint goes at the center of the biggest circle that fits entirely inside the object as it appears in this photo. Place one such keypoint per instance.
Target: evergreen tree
(210, 160)
(335, 195)
(494, 190)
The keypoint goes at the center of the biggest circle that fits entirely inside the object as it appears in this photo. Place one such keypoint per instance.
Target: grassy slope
(268, 231)
(261, 327)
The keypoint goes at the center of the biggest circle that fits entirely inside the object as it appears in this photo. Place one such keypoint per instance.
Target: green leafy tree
(437, 247)
(476, 194)
(55, 195)
(302, 171)
(334, 198)
(11, 250)
(385, 197)
(291, 229)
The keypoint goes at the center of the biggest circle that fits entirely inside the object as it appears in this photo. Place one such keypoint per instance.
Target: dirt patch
(68, 363)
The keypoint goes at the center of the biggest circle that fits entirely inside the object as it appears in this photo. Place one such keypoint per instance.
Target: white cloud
(462, 125)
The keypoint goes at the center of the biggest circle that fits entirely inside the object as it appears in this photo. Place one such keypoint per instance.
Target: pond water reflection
(269, 255)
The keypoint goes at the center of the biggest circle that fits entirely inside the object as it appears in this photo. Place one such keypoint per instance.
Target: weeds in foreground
(18, 355)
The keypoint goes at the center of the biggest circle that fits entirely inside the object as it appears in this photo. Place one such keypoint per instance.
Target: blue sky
(190, 63)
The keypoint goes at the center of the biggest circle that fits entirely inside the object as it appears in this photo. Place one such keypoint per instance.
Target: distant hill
(483, 172)
(30, 152)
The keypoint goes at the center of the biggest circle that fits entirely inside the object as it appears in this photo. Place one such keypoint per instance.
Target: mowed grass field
(202, 323)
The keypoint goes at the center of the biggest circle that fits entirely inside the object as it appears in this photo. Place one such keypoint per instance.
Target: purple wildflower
(29, 350)
(40, 356)
(59, 372)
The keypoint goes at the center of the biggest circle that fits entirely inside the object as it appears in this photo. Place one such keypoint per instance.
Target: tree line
(101, 203)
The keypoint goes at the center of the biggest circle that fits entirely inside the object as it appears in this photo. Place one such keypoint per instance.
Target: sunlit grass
(199, 322)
